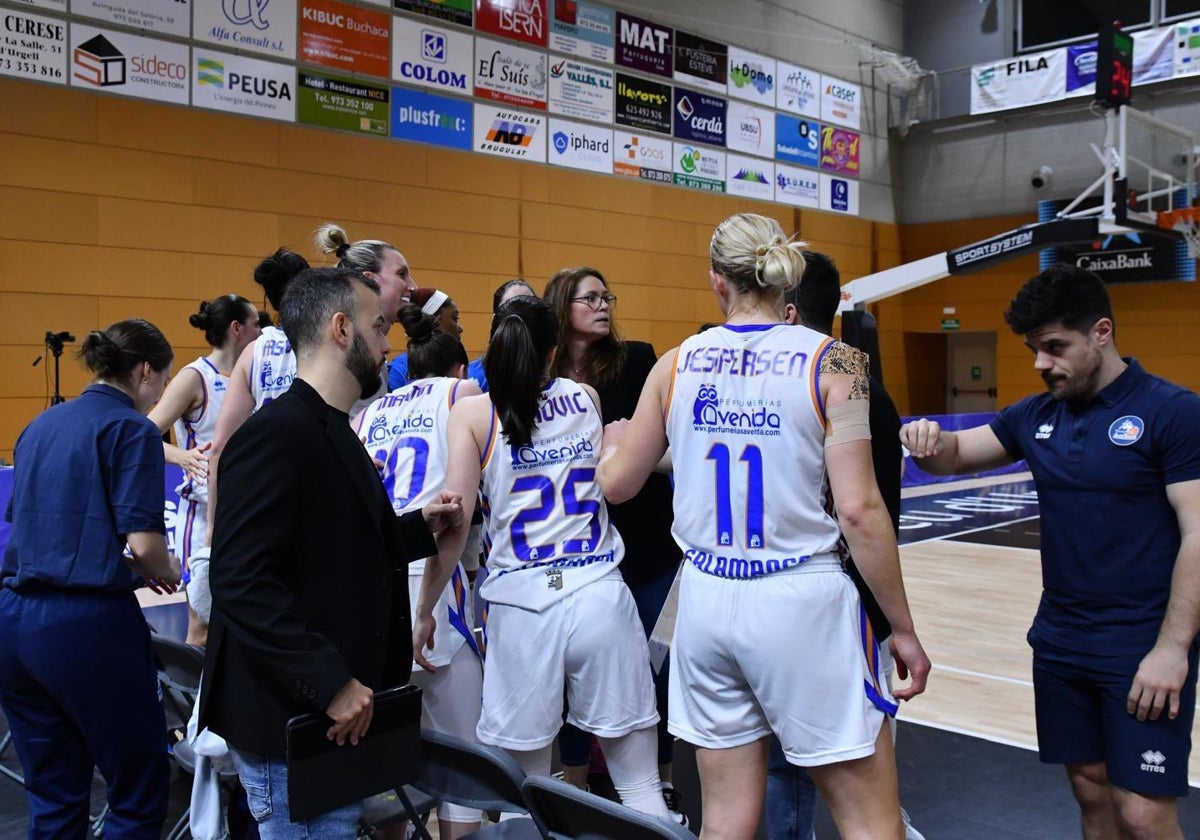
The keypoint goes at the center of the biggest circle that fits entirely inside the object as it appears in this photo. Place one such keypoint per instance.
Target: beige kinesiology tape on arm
(850, 420)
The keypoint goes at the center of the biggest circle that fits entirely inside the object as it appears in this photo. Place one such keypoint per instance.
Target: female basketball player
(559, 610)
(406, 432)
(767, 426)
(191, 403)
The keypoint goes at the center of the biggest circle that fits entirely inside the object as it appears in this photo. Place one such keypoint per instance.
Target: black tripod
(54, 343)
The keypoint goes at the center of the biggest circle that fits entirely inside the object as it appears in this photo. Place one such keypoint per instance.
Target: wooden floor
(972, 605)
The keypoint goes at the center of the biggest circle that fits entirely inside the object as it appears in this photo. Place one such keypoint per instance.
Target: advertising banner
(751, 77)
(750, 178)
(254, 25)
(839, 150)
(839, 195)
(116, 62)
(345, 104)
(453, 11)
(505, 72)
(581, 90)
(797, 140)
(242, 85)
(33, 47)
(53, 5)
(798, 90)
(750, 129)
(1187, 47)
(841, 102)
(1153, 60)
(521, 20)
(699, 168)
(580, 146)
(699, 117)
(643, 104)
(798, 187)
(427, 118)
(645, 46)
(583, 29)
(642, 156)
(348, 38)
(508, 133)
(432, 56)
(701, 62)
(170, 17)
(1016, 82)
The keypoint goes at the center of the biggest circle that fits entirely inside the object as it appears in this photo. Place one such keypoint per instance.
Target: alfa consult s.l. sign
(254, 25)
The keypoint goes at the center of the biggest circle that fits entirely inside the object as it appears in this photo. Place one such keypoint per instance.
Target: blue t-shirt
(87, 472)
(1109, 534)
(398, 373)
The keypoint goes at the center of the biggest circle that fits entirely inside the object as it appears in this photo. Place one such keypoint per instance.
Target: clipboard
(323, 776)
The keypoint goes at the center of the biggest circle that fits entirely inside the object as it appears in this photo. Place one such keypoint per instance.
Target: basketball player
(767, 427)
(559, 609)
(191, 403)
(406, 432)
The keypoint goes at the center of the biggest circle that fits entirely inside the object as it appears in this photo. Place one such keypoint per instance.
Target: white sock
(633, 765)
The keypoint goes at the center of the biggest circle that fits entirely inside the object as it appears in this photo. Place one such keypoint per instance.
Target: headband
(435, 302)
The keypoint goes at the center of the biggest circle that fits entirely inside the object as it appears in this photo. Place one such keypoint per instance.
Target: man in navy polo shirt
(1115, 456)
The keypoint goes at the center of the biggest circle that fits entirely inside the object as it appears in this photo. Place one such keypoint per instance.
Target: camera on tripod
(56, 340)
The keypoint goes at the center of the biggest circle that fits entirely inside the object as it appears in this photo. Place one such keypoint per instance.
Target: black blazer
(308, 573)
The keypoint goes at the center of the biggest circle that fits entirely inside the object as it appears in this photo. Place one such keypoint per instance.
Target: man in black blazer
(309, 563)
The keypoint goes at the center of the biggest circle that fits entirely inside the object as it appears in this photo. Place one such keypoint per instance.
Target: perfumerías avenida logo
(709, 415)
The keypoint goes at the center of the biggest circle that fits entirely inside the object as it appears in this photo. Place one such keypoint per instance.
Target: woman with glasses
(591, 352)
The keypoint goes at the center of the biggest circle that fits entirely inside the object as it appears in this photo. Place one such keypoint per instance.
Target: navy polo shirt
(1109, 535)
(87, 472)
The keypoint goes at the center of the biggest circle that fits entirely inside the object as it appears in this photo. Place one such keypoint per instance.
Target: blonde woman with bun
(767, 427)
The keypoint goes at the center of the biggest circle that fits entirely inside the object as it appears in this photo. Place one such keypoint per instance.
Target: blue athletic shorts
(1081, 719)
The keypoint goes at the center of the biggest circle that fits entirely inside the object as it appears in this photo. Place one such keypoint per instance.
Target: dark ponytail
(431, 352)
(275, 273)
(215, 316)
(112, 353)
(524, 332)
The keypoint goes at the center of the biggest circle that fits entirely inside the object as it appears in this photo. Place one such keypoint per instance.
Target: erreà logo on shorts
(1154, 761)
(435, 49)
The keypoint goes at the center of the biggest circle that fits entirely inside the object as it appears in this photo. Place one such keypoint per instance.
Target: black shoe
(674, 804)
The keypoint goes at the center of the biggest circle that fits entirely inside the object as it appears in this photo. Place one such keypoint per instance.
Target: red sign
(346, 37)
(521, 20)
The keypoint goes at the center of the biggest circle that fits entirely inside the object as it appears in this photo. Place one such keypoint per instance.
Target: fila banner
(1019, 81)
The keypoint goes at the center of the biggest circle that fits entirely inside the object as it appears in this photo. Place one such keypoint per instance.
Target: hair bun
(418, 326)
(203, 318)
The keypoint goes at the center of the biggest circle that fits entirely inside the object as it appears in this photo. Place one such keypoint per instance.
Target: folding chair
(475, 776)
(564, 812)
(179, 669)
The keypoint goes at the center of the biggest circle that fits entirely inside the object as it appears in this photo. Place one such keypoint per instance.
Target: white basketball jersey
(273, 368)
(544, 515)
(747, 434)
(406, 430)
(198, 430)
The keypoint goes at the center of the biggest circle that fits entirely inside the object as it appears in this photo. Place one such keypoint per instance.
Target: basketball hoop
(1186, 222)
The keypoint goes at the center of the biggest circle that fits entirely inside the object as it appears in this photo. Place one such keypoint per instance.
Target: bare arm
(467, 426)
(184, 395)
(861, 512)
(953, 453)
(235, 410)
(152, 561)
(633, 449)
(1161, 675)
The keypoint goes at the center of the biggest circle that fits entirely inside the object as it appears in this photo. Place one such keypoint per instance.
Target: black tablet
(323, 776)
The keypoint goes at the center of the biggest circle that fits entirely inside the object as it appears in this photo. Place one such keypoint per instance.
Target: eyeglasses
(593, 301)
